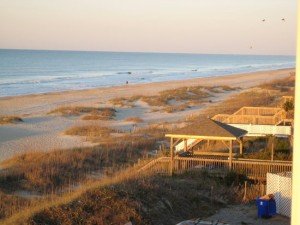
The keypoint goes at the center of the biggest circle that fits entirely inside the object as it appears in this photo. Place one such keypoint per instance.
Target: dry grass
(134, 120)
(10, 119)
(175, 100)
(269, 95)
(101, 114)
(93, 112)
(286, 85)
(147, 136)
(92, 133)
(148, 200)
(10, 204)
(120, 102)
(177, 108)
(49, 172)
(46, 172)
(89, 131)
(21, 214)
(184, 94)
(254, 97)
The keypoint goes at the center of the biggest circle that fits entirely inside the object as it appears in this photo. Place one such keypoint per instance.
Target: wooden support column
(171, 156)
(241, 146)
(230, 154)
(185, 145)
(272, 149)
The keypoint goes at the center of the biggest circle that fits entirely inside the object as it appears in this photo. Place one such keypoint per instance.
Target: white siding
(262, 130)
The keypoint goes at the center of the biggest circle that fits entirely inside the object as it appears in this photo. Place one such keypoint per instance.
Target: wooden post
(241, 146)
(272, 149)
(230, 154)
(185, 145)
(245, 199)
(172, 156)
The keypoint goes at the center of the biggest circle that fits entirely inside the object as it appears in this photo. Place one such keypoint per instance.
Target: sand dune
(41, 131)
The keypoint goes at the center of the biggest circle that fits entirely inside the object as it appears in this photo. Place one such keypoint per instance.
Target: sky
(188, 26)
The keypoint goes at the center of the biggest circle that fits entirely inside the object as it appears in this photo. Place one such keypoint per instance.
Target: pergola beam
(227, 146)
(214, 138)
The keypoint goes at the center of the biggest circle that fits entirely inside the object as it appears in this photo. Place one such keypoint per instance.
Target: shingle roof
(210, 128)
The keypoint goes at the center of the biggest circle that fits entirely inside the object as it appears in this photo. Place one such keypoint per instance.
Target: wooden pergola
(205, 130)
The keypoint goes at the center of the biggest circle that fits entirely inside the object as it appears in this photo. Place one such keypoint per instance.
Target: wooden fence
(254, 115)
(251, 168)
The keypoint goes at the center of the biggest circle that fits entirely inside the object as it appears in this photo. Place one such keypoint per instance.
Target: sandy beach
(43, 132)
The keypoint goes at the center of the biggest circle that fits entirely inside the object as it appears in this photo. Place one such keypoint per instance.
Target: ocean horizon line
(141, 52)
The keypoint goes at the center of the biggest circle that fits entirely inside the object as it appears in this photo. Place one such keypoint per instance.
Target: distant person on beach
(126, 81)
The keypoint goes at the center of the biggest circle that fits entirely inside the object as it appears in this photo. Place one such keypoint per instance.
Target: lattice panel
(281, 186)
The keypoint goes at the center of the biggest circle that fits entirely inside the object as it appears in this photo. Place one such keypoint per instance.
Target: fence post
(230, 154)
(172, 157)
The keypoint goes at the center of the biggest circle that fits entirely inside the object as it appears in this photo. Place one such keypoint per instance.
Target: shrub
(10, 119)
(134, 119)
(288, 106)
(234, 178)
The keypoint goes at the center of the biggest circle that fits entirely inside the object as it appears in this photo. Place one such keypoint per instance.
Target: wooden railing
(251, 168)
(258, 170)
(253, 115)
(159, 165)
(257, 111)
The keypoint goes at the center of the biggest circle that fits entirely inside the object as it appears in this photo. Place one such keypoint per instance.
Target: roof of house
(210, 128)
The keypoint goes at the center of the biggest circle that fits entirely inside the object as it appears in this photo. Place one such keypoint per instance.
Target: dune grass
(144, 199)
(148, 200)
(175, 100)
(286, 85)
(134, 120)
(10, 119)
(90, 113)
(10, 204)
(45, 171)
(89, 131)
(49, 172)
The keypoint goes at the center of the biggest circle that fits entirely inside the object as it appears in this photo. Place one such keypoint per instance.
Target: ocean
(38, 71)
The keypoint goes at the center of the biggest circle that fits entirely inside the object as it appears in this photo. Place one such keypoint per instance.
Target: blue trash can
(266, 208)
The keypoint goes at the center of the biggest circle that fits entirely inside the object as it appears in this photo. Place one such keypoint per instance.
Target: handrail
(254, 169)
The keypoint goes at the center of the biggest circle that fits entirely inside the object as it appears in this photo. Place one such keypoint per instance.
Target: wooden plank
(200, 137)
(212, 153)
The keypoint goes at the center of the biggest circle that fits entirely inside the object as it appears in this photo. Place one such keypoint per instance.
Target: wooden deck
(253, 169)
